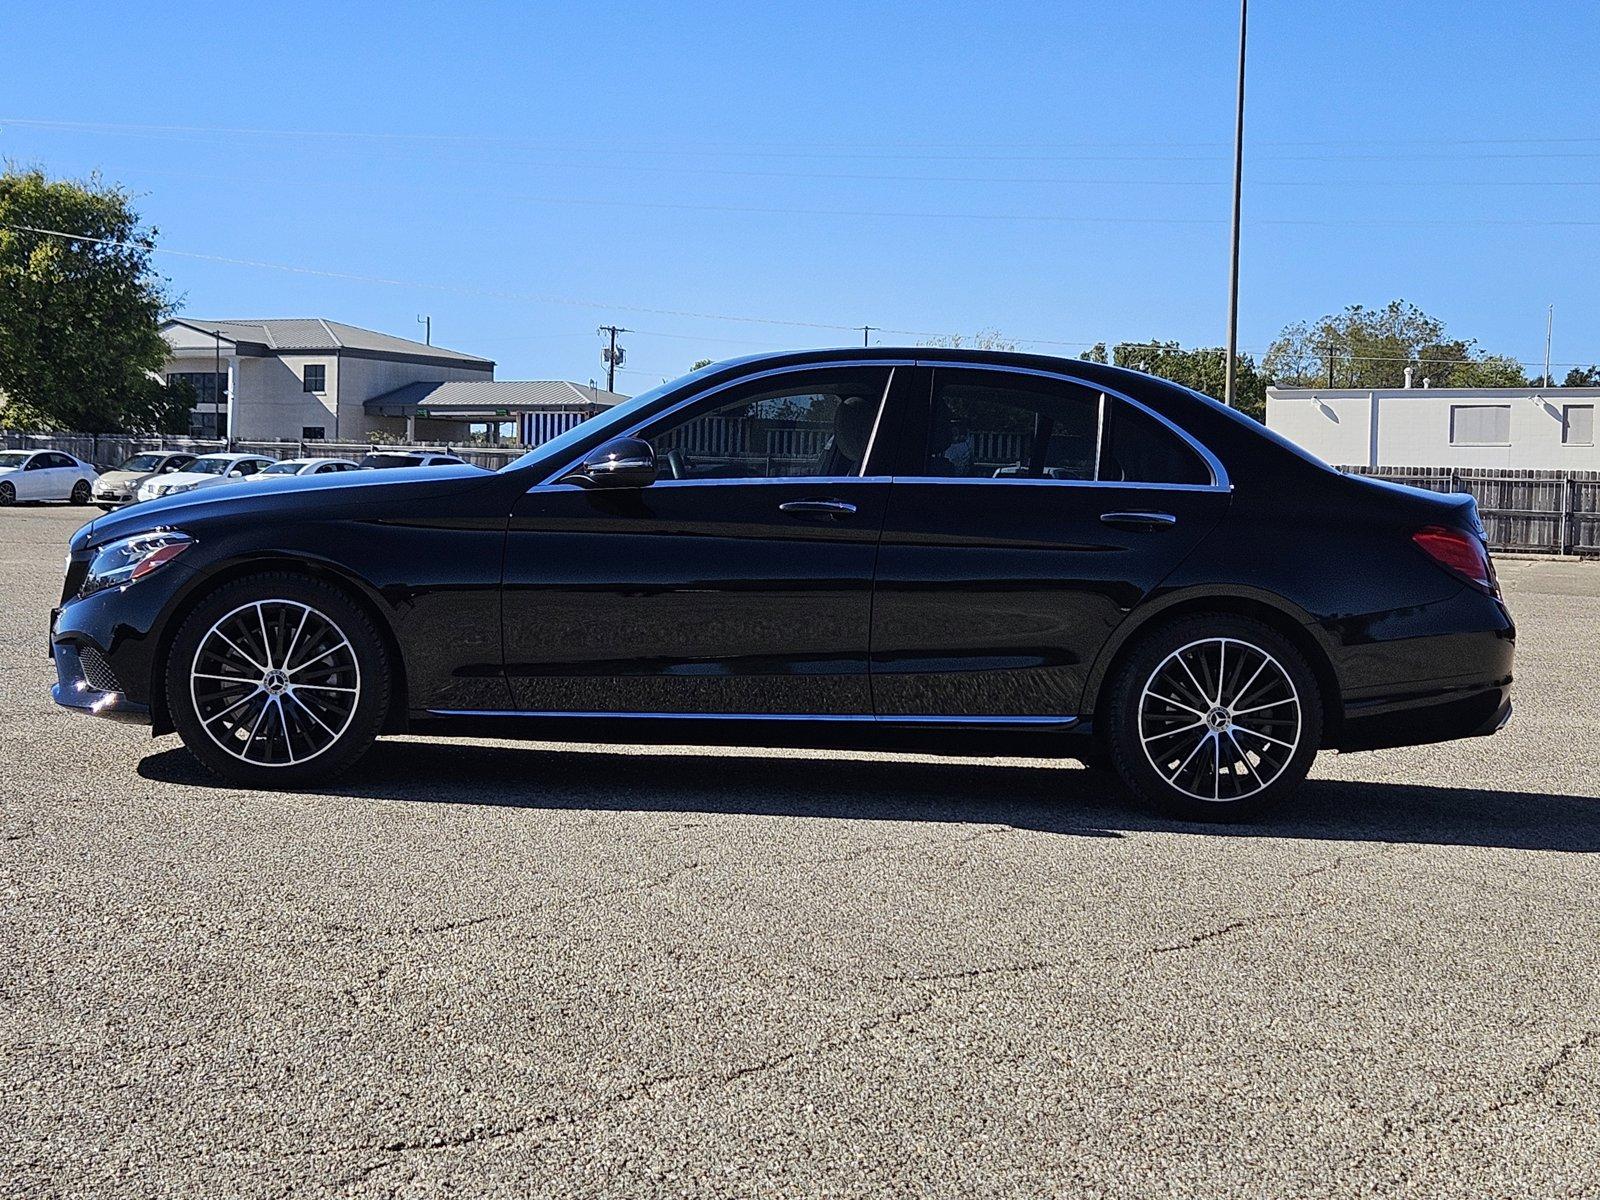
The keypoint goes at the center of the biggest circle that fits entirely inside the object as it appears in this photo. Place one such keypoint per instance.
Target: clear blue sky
(1054, 171)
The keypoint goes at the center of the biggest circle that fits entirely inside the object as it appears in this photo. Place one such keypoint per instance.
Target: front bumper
(74, 690)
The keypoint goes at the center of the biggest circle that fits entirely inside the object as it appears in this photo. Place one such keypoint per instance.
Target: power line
(688, 314)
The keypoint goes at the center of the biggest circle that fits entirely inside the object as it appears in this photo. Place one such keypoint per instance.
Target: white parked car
(383, 459)
(44, 475)
(120, 485)
(209, 470)
(309, 466)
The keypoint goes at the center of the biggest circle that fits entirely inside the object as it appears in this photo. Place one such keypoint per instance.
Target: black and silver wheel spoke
(1219, 719)
(275, 683)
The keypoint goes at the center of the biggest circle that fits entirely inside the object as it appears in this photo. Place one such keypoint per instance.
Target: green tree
(1204, 369)
(79, 318)
(700, 362)
(1582, 377)
(984, 339)
(1372, 347)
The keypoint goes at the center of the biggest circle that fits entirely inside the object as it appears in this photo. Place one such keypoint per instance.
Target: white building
(1516, 428)
(302, 378)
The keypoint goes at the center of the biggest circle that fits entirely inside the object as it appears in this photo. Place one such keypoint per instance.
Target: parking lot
(487, 969)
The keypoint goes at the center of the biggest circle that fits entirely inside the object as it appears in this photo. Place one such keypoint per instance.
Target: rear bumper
(1416, 720)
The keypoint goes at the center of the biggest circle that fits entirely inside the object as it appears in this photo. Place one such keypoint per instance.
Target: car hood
(9, 470)
(124, 477)
(354, 493)
(188, 477)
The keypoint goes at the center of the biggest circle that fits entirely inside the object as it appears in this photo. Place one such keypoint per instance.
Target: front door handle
(1139, 520)
(819, 508)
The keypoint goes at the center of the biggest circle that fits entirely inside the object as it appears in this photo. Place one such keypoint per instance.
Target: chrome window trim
(760, 479)
(858, 718)
(1219, 475)
(1082, 483)
(554, 478)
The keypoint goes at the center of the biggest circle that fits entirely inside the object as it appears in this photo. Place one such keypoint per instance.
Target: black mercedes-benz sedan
(942, 550)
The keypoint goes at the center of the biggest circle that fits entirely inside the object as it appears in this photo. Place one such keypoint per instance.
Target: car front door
(45, 478)
(1033, 514)
(738, 584)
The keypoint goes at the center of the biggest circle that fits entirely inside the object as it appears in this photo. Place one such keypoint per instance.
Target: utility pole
(427, 325)
(613, 355)
(1549, 324)
(866, 331)
(1229, 379)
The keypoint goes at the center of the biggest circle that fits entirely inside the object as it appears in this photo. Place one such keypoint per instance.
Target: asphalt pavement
(500, 969)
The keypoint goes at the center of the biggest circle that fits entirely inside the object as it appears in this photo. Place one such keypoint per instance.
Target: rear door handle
(821, 508)
(1139, 520)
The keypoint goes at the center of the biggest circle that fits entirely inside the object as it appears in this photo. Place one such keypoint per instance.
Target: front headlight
(173, 489)
(131, 558)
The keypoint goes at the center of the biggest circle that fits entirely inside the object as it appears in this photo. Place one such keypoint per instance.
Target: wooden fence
(1536, 512)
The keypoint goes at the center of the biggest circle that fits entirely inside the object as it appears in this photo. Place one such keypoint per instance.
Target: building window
(313, 433)
(316, 377)
(209, 387)
(1480, 424)
(1577, 425)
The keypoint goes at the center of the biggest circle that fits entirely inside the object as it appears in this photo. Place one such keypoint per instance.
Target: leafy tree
(1096, 354)
(1372, 347)
(984, 339)
(700, 362)
(1203, 369)
(1582, 377)
(79, 319)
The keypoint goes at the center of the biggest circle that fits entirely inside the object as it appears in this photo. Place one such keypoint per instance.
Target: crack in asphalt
(1542, 1074)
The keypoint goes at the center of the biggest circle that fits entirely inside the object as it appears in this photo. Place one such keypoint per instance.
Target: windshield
(282, 468)
(142, 462)
(14, 459)
(392, 460)
(209, 466)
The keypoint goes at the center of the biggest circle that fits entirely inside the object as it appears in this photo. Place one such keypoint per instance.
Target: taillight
(1460, 553)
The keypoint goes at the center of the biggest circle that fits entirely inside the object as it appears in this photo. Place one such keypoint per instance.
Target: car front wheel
(278, 681)
(8, 494)
(1214, 717)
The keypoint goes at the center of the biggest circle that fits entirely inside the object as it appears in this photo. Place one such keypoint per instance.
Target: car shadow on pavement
(1045, 798)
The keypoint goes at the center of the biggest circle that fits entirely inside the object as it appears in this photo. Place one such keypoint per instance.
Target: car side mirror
(623, 462)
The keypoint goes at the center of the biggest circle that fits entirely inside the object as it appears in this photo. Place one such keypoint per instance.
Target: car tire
(8, 494)
(80, 493)
(313, 681)
(1213, 718)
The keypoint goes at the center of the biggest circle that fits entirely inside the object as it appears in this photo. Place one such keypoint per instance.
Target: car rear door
(738, 584)
(1035, 513)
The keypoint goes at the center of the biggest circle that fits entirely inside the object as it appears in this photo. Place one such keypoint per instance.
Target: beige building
(1550, 429)
(303, 377)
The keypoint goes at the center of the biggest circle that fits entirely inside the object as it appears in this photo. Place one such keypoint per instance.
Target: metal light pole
(1231, 377)
(1549, 324)
(427, 325)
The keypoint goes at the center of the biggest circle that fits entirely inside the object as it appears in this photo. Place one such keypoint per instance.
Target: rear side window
(1139, 449)
(988, 425)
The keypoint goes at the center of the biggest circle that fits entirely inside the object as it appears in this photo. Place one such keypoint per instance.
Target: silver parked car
(120, 485)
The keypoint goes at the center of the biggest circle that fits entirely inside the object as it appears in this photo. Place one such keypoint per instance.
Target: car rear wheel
(1214, 718)
(80, 493)
(278, 681)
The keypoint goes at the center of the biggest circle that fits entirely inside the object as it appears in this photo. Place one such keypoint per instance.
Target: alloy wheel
(80, 492)
(8, 494)
(1219, 719)
(275, 683)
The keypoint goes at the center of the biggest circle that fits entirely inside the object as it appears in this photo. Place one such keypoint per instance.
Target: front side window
(810, 424)
(1480, 424)
(316, 377)
(282, 468)
(208, 466)
(1577, 425)
(248, 466)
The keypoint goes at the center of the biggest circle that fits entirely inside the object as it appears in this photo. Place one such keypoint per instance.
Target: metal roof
(464, 398)
(290, 334)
